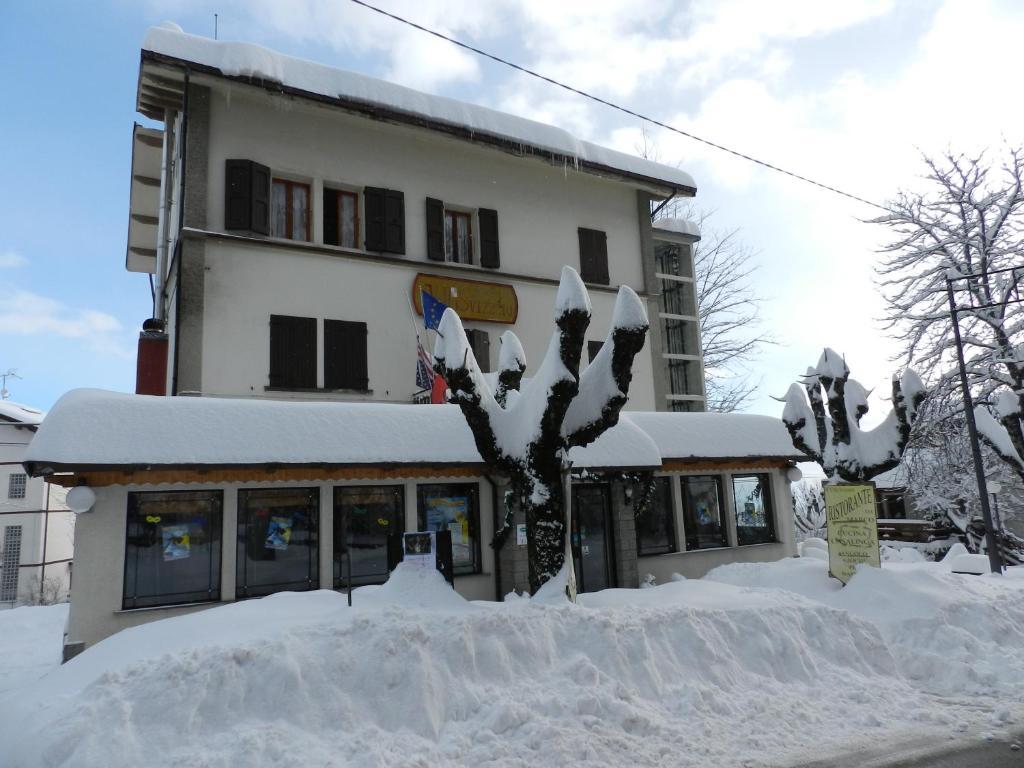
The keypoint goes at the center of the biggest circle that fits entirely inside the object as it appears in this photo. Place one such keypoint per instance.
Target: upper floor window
(16, 484)
(295, 350)
(450, 235)
(289, 208)
(341, 218)
(671, 259)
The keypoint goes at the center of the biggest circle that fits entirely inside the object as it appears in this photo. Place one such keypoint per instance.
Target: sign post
(852, 528)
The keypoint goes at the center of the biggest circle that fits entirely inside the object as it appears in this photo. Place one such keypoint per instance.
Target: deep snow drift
(753, 665)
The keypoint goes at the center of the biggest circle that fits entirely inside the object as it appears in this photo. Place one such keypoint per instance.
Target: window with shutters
(292, 352)
(246, 197)
(480, 343)
(341, 218)
(384, 210)
(345, 364)
(289, 210)
(593, 256)
(450, 235)
(16, 484)
(458, 237)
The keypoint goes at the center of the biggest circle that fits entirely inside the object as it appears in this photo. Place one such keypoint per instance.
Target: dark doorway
(592, 541)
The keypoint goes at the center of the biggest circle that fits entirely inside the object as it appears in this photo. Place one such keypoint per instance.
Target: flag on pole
(424, 367)
(432, 310)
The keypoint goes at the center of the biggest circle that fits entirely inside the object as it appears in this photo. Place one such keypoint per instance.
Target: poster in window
(451, 513)
(177, 542)
(279, 533)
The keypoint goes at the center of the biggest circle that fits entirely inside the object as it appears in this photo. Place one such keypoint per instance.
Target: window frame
(338, 576)
(769, 508)
(356, 194)
(243, 589)
(213, 591)
(690, 519)
(17, 481)
(671, 546)
(289, 185)
(457, 213)
(473, 490)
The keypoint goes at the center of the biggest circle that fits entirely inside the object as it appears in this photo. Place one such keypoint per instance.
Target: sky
(849, 93)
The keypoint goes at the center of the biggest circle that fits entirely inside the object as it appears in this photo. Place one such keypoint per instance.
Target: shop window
(367, 520)
(289, 210)
(751, 495)
(341, 218)
(16, 484)
(702, 513)
(655, 526)
(277, 540)
(455, 508)
(173, 548)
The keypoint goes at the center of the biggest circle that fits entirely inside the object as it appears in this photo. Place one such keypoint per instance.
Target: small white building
(200, 501)
(36, 528)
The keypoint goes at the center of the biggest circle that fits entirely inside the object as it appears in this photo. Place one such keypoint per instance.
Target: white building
(36, 530)
(290, 214)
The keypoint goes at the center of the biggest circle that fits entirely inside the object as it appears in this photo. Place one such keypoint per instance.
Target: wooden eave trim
(694, 464)
(386, 114)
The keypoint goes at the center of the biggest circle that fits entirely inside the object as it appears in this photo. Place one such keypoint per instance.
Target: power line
(615, 106)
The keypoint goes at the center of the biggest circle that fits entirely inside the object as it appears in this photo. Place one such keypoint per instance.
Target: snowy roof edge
(253, 64)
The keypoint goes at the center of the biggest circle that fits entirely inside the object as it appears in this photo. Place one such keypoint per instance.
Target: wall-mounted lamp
(794, 475)
(627, 492)
(81, 499)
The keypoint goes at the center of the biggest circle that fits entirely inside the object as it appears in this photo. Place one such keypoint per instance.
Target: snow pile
(757, 663)
(248, 60)
(31, 640)
(679, 226)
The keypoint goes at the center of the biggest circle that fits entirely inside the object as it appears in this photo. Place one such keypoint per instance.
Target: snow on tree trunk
(824, 423)
(525, 433)
(1004, 432)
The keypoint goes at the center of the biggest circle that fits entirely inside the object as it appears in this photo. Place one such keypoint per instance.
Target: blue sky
(848, 92)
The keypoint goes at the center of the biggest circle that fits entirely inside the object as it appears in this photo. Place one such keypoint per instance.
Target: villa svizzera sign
(472, 299)
(852, 528)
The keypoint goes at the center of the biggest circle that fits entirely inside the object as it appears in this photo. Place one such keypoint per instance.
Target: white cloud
(11, 260)
(24, 313)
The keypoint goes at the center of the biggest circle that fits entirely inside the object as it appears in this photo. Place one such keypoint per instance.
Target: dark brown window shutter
(394, 221)
(292, 352)
(260, 199)
(593, 256)
(435, 229)
(489, 255)
(373, 204)
(345, 355)
(480, 343)
(593, 347)
(238, 195)
(331, 217)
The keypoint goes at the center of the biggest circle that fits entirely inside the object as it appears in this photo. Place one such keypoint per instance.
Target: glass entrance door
(592, 537)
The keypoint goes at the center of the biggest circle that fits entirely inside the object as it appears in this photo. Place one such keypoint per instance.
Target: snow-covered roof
(716, 435)
(678, 226)
(94, 428)
(245, 60)
(19, 414)
(90, 428)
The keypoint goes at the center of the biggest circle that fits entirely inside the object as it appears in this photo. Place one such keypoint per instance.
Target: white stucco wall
(100, 534)
(695, 564)
(245, 284)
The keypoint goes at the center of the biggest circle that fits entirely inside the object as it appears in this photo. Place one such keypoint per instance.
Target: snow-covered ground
(756, 664)
(30, 644)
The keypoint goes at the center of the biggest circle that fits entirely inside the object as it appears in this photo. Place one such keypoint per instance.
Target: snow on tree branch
(824, 421)
(1003, 433)
(526, 433)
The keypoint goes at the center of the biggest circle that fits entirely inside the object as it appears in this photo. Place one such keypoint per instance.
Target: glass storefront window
(655, 526)
(751, 496)
(365, 518)
(702, 513)
(277, 540)
(173, 548)
(453, 507)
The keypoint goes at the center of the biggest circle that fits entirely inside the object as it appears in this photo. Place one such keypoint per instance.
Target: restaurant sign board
(852, 528)
(472, 299)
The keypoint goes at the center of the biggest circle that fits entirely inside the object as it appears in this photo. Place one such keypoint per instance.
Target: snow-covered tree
(526, 431)
(969, 222)
(824, 423)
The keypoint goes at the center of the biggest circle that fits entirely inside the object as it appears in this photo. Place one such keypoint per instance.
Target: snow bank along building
(290, 215)
(36, 529)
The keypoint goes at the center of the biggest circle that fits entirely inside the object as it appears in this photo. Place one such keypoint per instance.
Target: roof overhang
(144, 199)
(161, 84)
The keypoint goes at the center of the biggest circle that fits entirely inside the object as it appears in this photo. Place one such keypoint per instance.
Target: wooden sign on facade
(472, 299)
